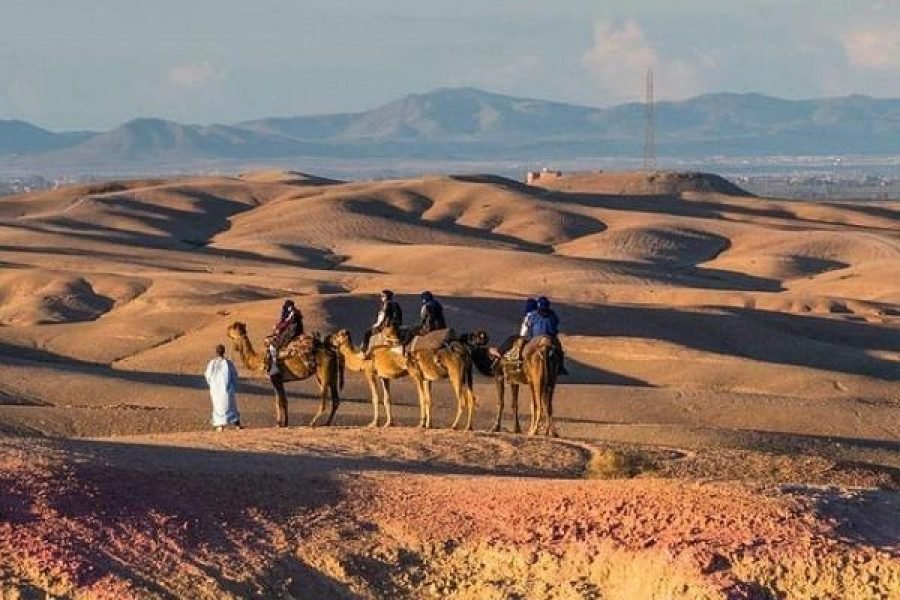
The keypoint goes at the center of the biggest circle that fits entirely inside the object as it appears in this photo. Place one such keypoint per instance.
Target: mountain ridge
(469, 122)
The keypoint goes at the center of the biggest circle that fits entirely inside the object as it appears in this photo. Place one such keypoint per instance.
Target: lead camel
(327, 371)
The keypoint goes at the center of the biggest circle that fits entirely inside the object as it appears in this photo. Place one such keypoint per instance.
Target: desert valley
(729, 428)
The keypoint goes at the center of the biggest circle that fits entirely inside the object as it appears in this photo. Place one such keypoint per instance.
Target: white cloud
(621, 55)
(873, 48)
(195, 75)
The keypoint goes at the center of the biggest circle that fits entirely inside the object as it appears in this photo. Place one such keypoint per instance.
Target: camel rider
(544, 321)
(512, 347)
(289, 326)
(431, 315)
(528, 317)
(389, 315)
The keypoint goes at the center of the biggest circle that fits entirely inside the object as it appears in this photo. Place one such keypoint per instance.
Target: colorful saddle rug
(302, 347)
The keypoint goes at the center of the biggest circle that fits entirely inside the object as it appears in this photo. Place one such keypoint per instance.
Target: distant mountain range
(467, 123)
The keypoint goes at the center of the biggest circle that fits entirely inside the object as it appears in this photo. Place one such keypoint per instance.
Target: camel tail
(341, 369)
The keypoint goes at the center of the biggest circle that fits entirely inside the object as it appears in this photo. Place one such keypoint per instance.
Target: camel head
(480, 337)
(477, 339)
(236, 331)
(341, 339)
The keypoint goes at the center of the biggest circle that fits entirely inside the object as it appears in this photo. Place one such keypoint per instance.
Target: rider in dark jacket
(431, 315)
(389, 315)
(289, 326)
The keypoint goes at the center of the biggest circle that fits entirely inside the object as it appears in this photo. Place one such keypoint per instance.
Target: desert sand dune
(729, 353)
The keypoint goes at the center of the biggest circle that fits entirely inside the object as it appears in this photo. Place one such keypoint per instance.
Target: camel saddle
(388, 338)
(522, 349)
(303, 347)
(432, 340)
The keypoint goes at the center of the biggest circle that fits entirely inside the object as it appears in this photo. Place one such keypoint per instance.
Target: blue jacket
(542, 322)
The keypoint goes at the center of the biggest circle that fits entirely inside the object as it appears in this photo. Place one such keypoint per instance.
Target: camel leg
(386, 390)
(426, 387)
(281, 416)
(335, 401)
(536, 402)
(458, 391)
(372, 380)
(323, 389)
(501, 392)
(551, 427)
(514, 391)
(470, 396)
(420, 390)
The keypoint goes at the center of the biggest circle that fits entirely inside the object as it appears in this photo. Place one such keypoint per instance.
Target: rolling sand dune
(731, 422)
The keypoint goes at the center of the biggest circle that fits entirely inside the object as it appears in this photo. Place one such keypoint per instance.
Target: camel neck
(248, 355)
(351, 357)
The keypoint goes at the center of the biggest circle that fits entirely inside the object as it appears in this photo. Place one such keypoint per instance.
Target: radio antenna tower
(650, 134)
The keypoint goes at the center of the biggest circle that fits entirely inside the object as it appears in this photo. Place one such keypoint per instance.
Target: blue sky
(69, 64)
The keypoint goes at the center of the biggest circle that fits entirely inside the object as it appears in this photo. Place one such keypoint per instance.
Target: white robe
(222, 379)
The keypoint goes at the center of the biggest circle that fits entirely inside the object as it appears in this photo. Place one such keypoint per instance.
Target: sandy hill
(641, 183)
(710, 336)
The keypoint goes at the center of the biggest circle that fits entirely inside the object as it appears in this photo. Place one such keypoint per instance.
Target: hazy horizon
(98, 64)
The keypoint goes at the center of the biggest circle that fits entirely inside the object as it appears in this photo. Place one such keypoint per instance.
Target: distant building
(545, 174)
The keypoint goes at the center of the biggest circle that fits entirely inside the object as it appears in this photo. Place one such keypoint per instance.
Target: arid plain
(730, 425)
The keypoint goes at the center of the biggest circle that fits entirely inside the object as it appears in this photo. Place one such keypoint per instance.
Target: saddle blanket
(430, 341)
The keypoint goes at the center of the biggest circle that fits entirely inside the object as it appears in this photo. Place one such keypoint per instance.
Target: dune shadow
(356, 314)
(826, 343)
(307, 257)
(394, 214)
(19, 354)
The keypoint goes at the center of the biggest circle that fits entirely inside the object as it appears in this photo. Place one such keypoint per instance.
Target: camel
(327, 371)
(538, 370)
(452, 361)
(542, 362)
(383, 366)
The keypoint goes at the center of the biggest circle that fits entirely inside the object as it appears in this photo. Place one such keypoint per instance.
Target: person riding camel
(288, 327)
(544, 321)
(512, 346)
(431, 315)
(528, 316)
(389, 316)
(432, 330)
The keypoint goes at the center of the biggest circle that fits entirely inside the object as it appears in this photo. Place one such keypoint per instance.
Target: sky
(94, 64)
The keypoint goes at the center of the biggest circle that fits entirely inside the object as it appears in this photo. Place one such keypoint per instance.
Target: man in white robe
(221, 376)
